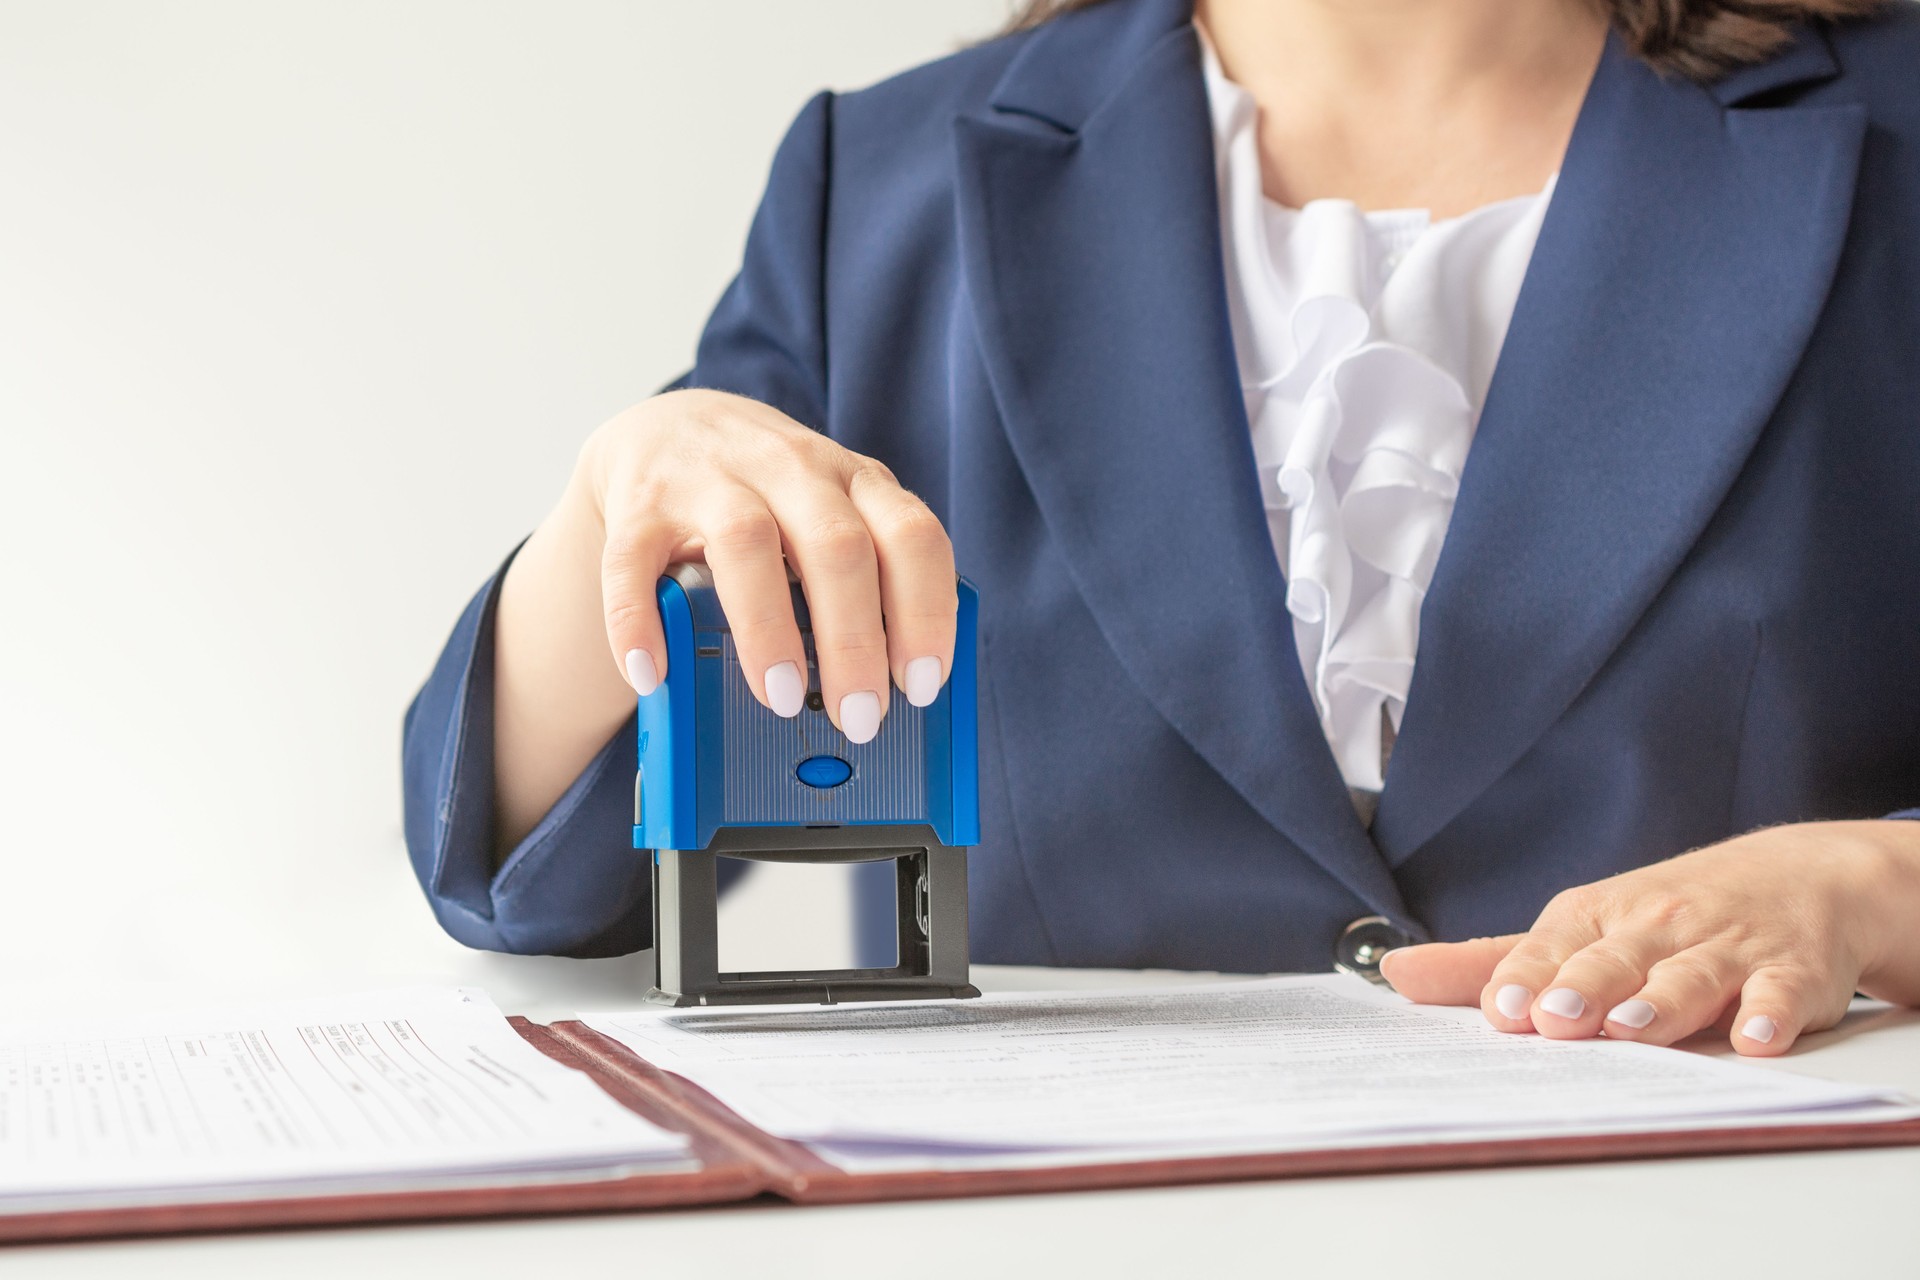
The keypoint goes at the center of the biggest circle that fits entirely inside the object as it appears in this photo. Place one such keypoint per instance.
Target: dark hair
(1699, 39)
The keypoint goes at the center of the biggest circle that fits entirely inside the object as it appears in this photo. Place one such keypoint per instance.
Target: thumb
(1446, 972)
(629, 573)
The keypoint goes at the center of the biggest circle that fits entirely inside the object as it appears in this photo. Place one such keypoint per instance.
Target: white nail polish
(1512, 1001)
(860, 716)
(1759, 1029)
(641, 673)
(1564, 1002)
(1633, 1014)
(923, 681)
(786, 689)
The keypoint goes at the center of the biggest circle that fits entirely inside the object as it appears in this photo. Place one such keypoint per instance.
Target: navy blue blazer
(1679, 598)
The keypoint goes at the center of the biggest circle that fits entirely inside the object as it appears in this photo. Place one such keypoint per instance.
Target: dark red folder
(738, 1162)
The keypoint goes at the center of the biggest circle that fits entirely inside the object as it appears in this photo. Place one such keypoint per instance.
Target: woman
(1431, 462)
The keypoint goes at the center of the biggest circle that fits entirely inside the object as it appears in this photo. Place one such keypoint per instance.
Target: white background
(304, 311)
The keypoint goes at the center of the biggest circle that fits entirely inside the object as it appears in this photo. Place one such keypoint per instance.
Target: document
(1267, 1065)
(383, 1089)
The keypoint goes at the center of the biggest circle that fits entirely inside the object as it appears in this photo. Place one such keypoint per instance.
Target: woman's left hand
(1768, 935)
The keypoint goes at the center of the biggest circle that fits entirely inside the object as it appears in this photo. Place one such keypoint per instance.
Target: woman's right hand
(694, 475)
(703, 475)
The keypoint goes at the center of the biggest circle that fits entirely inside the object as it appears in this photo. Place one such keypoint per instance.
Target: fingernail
(923, 681)
(860, 716)
(1512, 1000)
(1759, 1029)
(786, 689)
(641, 673)
(1632, 1013)
(1564, 1002)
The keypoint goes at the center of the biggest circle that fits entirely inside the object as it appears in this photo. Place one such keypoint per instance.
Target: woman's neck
(1438, 104)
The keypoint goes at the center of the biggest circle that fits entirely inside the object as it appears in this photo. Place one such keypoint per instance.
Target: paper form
(1263, 1065)
(411, 1082)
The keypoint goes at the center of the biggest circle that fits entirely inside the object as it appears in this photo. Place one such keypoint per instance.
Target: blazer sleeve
(574, 886)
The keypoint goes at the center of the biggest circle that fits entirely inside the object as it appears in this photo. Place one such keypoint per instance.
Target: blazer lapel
(1677, 278)
(1090, 243)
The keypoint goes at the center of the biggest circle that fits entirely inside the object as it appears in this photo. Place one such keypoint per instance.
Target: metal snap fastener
(1363, 942)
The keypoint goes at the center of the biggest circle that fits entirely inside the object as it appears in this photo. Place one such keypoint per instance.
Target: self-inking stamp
(721, 776)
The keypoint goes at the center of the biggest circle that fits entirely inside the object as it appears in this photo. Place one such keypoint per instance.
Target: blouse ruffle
(1365, 343)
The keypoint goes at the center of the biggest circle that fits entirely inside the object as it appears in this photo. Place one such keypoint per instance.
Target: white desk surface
(1816, 1214)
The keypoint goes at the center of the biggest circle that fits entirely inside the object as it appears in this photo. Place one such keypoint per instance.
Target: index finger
(918, 596)
(1521, 979)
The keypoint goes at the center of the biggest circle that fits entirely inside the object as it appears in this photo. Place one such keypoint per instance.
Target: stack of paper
(399, 1089)
(1272, 1065)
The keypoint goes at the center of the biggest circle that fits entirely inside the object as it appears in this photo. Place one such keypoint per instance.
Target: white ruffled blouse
(1365, 343)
